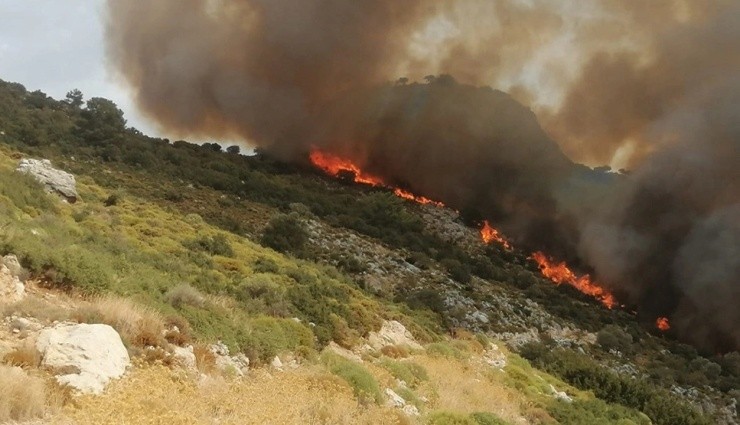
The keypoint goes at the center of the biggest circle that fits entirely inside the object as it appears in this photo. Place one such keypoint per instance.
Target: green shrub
(457, 270)
(449, 350)
(214, 245)
(485, 418)
(411, 373)
(267, 337)
(25, 193)
(285, 233)
(363, 384)
(259, 293)
(185, 294)
(612, 337)
(448, 418)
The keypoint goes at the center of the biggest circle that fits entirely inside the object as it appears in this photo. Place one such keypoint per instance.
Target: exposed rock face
(392, 333)
(185, 357)
(55, 181)
(85, 357)
(237, 364)
(14, 266)
(11, 288)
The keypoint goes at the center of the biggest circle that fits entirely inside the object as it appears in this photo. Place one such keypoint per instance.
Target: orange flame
(663, 324)
(560, 273)
(335, 166)
(489, 235)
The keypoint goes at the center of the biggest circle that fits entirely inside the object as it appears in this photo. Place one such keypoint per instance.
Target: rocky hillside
(216, 278)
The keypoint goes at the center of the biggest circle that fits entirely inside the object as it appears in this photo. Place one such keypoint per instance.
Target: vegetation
(215, 243)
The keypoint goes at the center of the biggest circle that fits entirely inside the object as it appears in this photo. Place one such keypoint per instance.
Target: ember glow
(336, 166)
(560, 274)
(490, 234)
(663, 324)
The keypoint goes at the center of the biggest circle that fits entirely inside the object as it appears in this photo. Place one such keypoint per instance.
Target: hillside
(177, 245)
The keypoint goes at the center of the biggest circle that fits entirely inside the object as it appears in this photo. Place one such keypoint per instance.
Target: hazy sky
(56, 46)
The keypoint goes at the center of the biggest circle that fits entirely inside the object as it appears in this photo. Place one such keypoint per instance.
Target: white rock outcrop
(237, 364)
(11, 288)
(185, 357)
(85, 357)
(392, 333)
(54, 180)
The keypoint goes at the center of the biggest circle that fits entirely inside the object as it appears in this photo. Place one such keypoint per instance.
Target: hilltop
(189, 247)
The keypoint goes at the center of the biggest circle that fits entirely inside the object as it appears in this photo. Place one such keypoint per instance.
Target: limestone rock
(237, 364)
(394, 400)
(54, 180)
(343, 352)
(393, 333)
(560, 395)
(11, 289)
(13, 265)
(85, 357)
(277, 363)
(185, 357)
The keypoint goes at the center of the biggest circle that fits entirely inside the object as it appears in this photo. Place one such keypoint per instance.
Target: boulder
(11, 289)
(54, 180)
(84, 357)
(394, 400)
(392, 333)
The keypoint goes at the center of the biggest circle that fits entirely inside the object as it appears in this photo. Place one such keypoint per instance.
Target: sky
(56, 46)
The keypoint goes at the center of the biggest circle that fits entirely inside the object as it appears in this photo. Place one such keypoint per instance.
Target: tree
(402, 81)
(234, 150)
(74, 98)
(100, 122)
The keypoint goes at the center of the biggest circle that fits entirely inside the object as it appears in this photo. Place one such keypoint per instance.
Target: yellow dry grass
(24, 397)
(468, 387)
(157, 395)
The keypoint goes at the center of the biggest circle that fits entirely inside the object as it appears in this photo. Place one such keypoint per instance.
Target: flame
(335, 166)
(560, 273)
(489, 235)
(663, 324)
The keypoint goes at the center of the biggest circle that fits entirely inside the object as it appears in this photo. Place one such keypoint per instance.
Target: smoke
(652, 86)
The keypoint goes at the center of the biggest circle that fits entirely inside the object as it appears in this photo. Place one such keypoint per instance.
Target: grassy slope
(155, 216)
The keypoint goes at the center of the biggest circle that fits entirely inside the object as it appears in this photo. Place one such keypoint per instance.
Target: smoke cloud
(651, 86)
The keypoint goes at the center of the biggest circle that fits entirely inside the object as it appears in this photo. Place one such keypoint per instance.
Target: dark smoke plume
(653, 86)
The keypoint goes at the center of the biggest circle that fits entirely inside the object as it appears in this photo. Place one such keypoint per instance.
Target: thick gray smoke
(649, 85)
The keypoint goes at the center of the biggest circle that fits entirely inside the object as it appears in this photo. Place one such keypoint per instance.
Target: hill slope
(277, 259)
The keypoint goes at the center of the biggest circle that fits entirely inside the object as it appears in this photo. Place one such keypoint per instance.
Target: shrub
(363, 384)
(285, 233)
(448, 418)
(259, 293)
(612, 337)
(185, 294)
(457, 270)
(266, 337)
(485, 418)
(214, 245)
(459, 351)
(411, 373)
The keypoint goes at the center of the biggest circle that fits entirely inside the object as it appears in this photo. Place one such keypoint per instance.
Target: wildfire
(335, 166)
(490, 234)
(560, 273)
(663, 324)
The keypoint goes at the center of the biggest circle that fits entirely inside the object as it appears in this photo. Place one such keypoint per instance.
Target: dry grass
(25, 356)
(23, 397)
(36, 307)
(185, 294)
(138, 326)
(467, 388)
(158, 395)
(205, 360)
